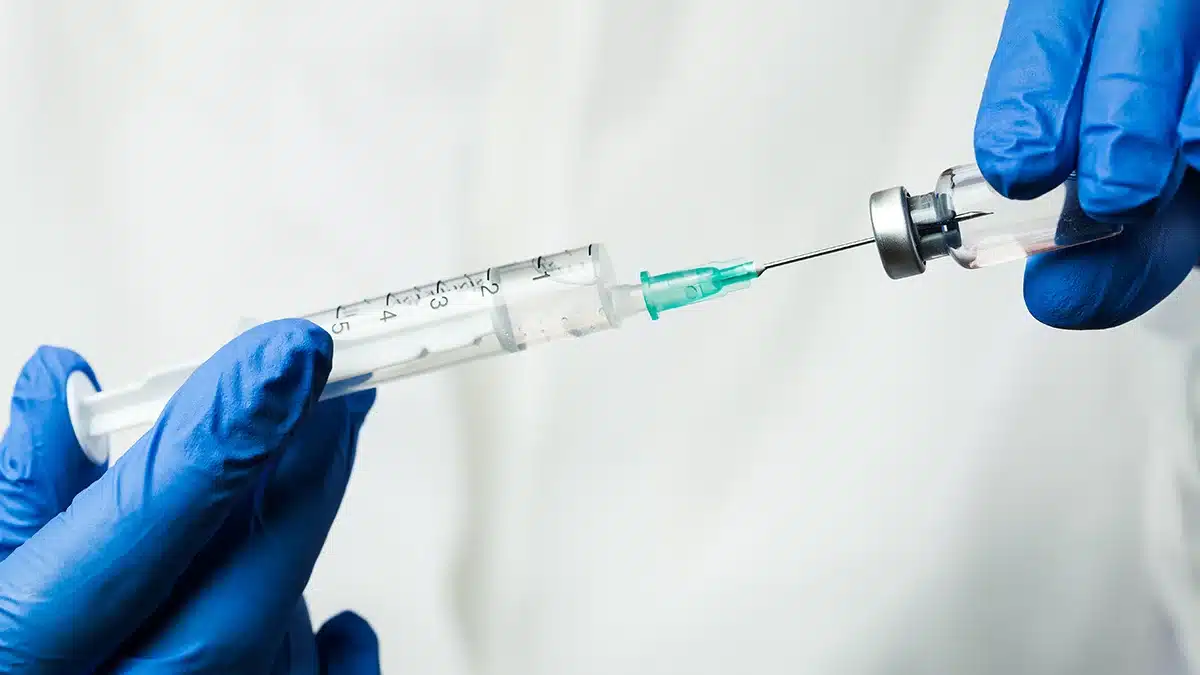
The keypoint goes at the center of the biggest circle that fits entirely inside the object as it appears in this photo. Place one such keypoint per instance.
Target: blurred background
(775, 483)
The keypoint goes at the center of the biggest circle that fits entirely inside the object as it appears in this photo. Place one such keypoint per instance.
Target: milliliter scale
(501, 309)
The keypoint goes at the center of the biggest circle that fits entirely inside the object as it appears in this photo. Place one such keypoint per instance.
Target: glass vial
(967, 220)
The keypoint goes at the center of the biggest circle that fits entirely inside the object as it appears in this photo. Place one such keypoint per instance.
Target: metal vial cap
(894, 239)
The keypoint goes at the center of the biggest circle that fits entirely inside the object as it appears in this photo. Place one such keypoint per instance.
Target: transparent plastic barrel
(495, 311)
(965, 218)
(498, 310)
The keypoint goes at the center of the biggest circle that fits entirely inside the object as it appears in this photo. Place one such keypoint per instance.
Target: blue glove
(1109, 89)
(191, 553)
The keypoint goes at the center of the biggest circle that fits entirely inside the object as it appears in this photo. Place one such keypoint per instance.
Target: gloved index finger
(1027, 130)
(81, 585)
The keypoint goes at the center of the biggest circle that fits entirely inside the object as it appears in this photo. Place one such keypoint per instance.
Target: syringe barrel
(499, 310)
(966, 219)
(463, 318)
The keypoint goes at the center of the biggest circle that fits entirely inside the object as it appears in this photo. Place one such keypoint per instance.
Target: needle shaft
(815, 254)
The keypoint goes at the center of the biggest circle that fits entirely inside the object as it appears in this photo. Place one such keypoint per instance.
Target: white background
(832, 473)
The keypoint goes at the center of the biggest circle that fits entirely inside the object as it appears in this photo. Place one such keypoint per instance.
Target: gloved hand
(1108, 88)
(189, 554)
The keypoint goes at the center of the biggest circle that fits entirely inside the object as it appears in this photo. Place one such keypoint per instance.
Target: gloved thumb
(1110, 282)
(346, 645)
(79, 587)
(42, 467)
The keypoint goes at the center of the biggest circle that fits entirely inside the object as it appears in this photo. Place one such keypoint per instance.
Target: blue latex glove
(1109, 89)
(191, 553)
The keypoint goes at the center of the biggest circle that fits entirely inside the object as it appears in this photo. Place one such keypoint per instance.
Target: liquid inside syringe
(499, 310)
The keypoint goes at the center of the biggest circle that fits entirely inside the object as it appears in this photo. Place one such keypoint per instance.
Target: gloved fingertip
(348, 646)
(290, 352)
(1022, 173)
(1062, 294)
(348, 628)
(40, 416)
(252, 394)
(45, 373)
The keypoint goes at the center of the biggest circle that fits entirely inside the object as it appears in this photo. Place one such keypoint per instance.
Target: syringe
(574, 293)
(498, 310)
